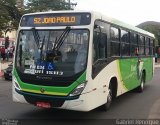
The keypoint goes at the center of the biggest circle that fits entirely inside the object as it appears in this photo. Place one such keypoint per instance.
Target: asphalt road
(131, 105)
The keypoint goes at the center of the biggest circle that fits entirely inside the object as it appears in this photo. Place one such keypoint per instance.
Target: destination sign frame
(56, 19)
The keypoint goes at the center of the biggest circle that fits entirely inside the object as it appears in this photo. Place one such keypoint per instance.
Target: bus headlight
(16, 85)
(78, 90)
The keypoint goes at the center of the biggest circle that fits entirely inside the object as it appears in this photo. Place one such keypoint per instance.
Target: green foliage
(10, 15)
(152, 27)
(46, 5)
(4, 18)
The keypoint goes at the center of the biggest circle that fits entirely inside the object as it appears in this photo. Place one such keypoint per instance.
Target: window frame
(105, 45)
(125, 43)
(115, 42)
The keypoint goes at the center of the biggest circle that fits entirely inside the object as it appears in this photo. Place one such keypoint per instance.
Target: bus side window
(147, 44)
(141, 44)
(125, 47)
(95, 46)
(102, 45)
(99, 41)
(114, 41)
(151, 48)
(134, 43)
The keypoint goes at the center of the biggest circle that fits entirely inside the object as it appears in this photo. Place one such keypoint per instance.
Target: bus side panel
(98, 87)
(96, 91)
(130, 72)
(148, 67)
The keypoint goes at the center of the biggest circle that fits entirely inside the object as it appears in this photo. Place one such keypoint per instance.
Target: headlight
(16, 85)
(78, 90)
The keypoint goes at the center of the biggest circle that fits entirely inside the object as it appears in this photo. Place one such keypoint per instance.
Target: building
(11, 42)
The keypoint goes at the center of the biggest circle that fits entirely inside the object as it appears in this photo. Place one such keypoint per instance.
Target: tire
(107, 105)
(141, 87)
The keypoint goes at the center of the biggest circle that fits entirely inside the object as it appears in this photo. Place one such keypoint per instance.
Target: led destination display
(56, 19)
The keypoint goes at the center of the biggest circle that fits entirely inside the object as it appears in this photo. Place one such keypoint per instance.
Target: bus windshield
(52, 52)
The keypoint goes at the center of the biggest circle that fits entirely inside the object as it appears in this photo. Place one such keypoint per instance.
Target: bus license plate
(43, 104)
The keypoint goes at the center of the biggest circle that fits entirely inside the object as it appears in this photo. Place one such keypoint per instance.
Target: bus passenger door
(99, 54)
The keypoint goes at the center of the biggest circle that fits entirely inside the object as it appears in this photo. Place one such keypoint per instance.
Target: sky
(132, 12)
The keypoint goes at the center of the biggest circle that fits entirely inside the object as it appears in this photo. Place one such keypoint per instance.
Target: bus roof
(106, 18)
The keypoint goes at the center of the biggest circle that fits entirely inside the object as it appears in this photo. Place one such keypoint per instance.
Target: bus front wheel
(107, 105)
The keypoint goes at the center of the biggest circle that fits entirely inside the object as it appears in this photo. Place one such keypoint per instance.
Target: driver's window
(99, 41)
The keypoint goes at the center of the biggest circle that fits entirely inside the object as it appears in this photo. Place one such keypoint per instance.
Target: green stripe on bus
(120, 76)
(45, 92)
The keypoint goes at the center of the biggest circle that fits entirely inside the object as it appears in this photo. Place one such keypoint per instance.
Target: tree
(6, 42)
(155, 30)
(4, 19)
(153, 27)
(9, 15)
(46, 5)
(10, 7)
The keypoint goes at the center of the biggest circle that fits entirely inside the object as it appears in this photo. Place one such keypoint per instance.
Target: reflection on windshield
(36, 53)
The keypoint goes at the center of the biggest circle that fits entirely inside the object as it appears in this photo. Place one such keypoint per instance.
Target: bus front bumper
(55, 101)
(77, 103)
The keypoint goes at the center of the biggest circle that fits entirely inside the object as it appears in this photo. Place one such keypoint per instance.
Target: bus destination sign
(51, 20)
(56, 19)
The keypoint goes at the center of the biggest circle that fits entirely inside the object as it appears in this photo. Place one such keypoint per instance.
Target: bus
(79, 60)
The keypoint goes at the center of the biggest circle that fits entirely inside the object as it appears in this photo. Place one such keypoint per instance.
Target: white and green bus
(79, 60)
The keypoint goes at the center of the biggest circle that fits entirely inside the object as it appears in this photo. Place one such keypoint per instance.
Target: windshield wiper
(60, 40)
(48, 41)
(41, 47)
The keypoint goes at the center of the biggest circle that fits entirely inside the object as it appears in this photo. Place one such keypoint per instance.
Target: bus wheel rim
(109, 98)
(142, 84)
